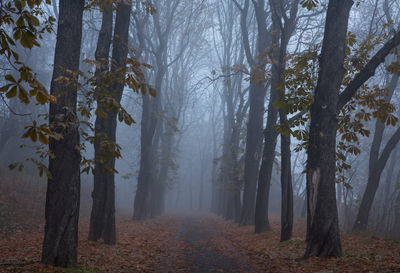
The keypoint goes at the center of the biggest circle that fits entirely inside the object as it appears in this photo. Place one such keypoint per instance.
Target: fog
(221, 94)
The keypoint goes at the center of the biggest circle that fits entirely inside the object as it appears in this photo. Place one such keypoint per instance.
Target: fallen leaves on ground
(157, 246)
(146, 246)
(162, 244)
(265, 253)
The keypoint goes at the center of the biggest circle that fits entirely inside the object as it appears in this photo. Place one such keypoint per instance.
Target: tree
(230, 54)
(103, 207)
(108, 100)
(256, 103)
(322, 223)
(151, 108)
(280, 39)
(63, 189)
(379, 155)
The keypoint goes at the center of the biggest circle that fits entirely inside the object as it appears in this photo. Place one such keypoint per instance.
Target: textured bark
(280, 40)
(103, 211)
(100, 213)
(142, 190)
(145, 179)
(286, 186)
(256, 110)
(323, 226)
(63, 189)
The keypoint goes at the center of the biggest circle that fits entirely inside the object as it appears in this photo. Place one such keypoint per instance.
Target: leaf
(12, 93)
(152, 92)
(12, 166)
(10, 78)
(309, 4)
(23, 95)
(5, 88)
(41, 98)
(43, 139)
(52, 99)
(27, 39)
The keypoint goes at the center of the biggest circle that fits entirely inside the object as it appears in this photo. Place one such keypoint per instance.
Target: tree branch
(368, 71)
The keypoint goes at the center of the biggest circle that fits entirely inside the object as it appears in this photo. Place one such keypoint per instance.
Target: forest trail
(201, 253)
(194, 243)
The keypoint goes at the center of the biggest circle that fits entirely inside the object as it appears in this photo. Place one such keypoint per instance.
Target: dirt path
(201, 250)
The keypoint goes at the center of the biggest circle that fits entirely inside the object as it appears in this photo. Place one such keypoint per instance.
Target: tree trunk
(264, 177)
(63, 189)
(286, 185)
(99, 214)
(323, 226)
(148, 127)
(256, 110)
(142, 190)
(103, 211)
(373, 183)
(253, 150)
(280, 40)
(377, 162)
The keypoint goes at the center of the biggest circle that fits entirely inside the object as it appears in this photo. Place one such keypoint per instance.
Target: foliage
(370, 101)
(309, 4)
(25, 22)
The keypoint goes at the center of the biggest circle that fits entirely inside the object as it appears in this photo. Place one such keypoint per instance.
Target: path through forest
(195, 242)
(201, 254)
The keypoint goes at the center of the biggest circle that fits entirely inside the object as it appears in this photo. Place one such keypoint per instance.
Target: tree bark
(286, 185)
(103, 211)
(63, 189)
(323, 226)
(256, 111)
(280, 40)
(102, 178)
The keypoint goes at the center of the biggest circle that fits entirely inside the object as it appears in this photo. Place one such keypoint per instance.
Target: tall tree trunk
(63, 189)
(280, 40)
(373, 182)
(264, 176)
(323, 226)
(142, 190)
(377, 162)
(103, 211)
(286, 185)
(256, 110)
(162, 179)
(148, 127)
(101, 176)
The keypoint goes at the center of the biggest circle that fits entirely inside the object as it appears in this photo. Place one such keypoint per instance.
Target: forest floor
(195, 242)
(200, 243)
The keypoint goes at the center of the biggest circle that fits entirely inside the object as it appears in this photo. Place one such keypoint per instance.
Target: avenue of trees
(242, 107)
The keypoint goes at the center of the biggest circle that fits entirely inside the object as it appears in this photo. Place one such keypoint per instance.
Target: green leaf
(10, 78)
(12, 93)
(27, 39)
